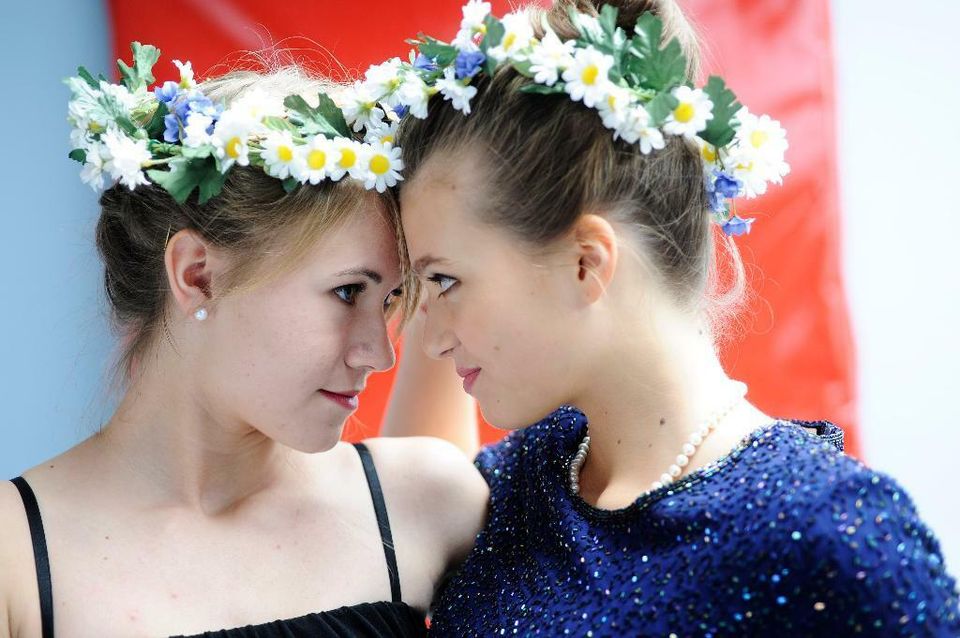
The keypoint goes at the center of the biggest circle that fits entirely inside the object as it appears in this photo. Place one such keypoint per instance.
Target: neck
(643, 401)
(173, 451)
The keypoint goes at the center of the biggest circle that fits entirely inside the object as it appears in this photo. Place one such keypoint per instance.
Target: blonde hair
(266, 230)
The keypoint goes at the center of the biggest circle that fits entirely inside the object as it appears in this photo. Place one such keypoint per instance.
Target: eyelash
(439, 279)
(356, 289)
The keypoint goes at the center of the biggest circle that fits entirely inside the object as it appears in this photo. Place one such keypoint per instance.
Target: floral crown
(639, 89)
(180, 139)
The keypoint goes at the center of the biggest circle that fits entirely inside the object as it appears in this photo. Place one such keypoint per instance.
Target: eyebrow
(427, 260)
(365, 272)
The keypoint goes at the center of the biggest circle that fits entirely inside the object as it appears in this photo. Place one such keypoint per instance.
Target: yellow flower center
(684, 112)
(709, 153)
(386, 139)
(509, 40)
(589, 75)
(612, 101)
(758, 138)
(379, 164)
(233, 147)
(347, 158)
(393, 85)
(284, 153)
(316, 160)
(481, 29)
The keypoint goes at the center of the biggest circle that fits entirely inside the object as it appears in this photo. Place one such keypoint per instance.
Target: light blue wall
(55, 345)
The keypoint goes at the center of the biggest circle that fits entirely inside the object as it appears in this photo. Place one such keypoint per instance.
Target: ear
(596, 245)
(190, 264)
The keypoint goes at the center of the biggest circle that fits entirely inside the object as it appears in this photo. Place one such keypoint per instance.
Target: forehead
(365, 236)
(440, 207)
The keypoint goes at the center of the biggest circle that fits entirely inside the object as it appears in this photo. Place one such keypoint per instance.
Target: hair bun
(675, 24)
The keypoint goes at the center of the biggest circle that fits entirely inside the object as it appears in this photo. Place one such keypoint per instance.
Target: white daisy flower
(85, 107)
(750, 172)
(758, 152)
(93, 167)
(346, 158)
(120, 95)
(710, 154)
(414, 94)
(474, 13)
(636, 128)
(230, 138)
(256, 104)
(382, 132)
(383, 81)
(124, 158)
(651, 138)
(360, 106)
(587, 78)
(550, 57)
(316, 160)
(691, 114)
(382, 165)
(195, 132)
(458, 93)
(186, 74)
(280, 156)
(518, 35)
(615, 108)
(763, 138)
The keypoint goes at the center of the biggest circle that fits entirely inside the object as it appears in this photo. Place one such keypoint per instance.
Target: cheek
(273, 350)
(512, 328)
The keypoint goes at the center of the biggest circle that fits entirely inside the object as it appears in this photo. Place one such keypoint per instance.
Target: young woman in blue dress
(251, 265)
(565, 195)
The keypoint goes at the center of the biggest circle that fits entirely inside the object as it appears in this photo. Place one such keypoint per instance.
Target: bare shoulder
(434, 480)
(427, 465)
(19, 606)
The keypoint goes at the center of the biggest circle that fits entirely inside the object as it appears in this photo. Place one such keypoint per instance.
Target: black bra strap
(376, 492)
(40, 558)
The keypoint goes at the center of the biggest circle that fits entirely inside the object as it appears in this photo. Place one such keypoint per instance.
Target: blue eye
(348, 293)
(443, 282)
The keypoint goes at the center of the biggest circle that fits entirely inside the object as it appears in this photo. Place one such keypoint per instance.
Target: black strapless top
(374, 619)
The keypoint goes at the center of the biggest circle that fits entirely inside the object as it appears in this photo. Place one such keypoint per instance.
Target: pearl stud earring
(200, 314)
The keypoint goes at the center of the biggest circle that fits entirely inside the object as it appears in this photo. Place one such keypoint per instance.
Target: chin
(316, 440)
(508, 418)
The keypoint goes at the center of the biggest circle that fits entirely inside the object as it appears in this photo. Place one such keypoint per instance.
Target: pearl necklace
(686, 452)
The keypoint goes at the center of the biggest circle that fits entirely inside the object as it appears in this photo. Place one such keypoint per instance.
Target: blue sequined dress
(785, 536)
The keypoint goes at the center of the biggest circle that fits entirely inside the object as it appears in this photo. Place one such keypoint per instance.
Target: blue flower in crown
(468, 64)
(721, 188)
(423, 63)
(184, 105)
(168, 92)
(736, 226)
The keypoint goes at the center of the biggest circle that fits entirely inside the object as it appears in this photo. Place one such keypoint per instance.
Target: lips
(469, 377)
(348, 400)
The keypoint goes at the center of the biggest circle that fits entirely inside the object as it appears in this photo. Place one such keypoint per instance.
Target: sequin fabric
(784, 536)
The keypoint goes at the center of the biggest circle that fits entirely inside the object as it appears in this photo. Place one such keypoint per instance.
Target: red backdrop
(795, 350)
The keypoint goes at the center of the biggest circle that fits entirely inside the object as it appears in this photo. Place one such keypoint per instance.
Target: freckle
(174, 596)
(277, 546)
(618, 441)
(649, 445)
(104, 558)
(51, 467)
(496, 348)
(106, 538)
(663, 421)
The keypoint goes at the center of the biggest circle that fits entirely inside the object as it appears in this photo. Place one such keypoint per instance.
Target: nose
(439, 339)
(371, 347)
